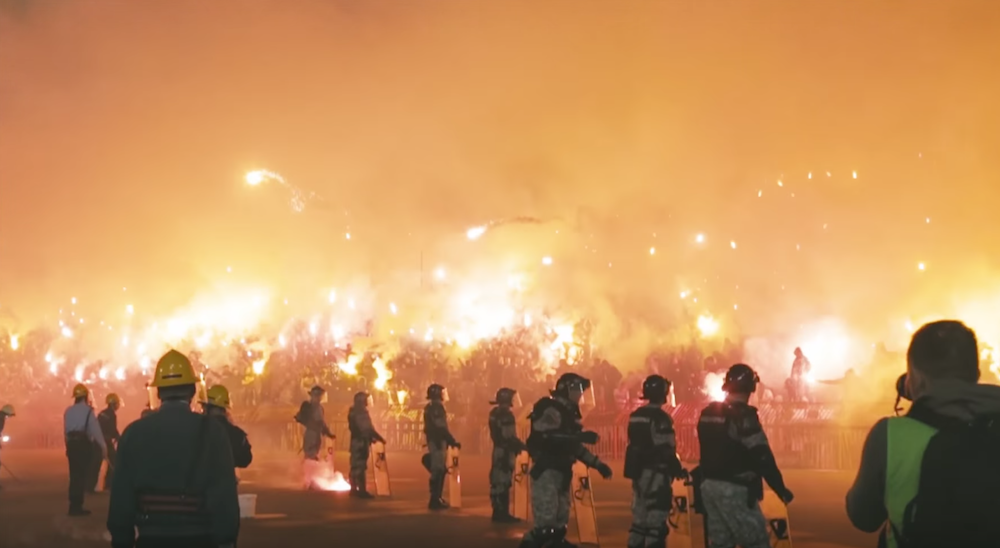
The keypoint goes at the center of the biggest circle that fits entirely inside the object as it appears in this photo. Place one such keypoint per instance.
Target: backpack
(958, 499)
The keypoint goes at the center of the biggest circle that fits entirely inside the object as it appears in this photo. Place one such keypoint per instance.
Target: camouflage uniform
(735, 457)
(555, 444)
(506, 446)
(729, 519)
(438, 441)
(651, 463)
(363, 434)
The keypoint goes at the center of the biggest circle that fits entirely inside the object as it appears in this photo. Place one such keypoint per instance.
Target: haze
(126, 130)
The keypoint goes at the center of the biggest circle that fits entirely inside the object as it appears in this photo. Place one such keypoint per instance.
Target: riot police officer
(217, 405)
(506, 446)
(312, 416)
(439, 439)
(176, 482)
(363, 434)
(555, 443)
(735, 455)
(651, 463)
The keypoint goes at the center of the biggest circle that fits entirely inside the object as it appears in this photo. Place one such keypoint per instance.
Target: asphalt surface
(33, 509)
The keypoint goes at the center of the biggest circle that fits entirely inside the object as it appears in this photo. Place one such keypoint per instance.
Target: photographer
(925, 477)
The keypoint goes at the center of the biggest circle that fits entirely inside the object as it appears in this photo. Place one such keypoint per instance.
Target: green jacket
(155, 455)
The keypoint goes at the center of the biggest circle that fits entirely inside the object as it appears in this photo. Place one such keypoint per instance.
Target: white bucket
(248, 506)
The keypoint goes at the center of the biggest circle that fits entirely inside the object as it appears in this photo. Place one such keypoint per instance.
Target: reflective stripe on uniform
(906, 440)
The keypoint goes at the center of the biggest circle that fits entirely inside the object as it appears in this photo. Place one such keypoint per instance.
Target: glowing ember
(475, 232)
(5, 439)
(700, 238)
(546, 261)
(14, 344)
(707, 325)
(350, 366)
(401, 396)
(258, 366)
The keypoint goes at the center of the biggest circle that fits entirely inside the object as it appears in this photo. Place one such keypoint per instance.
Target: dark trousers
(112, 460)
(175, 542)
(79, 452)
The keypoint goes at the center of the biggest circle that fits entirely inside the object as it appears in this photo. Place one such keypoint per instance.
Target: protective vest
(554, 450)
(433, 412)
(906, 440)
(723, 456)
(641, 451)
(352, 422)
(503, 426)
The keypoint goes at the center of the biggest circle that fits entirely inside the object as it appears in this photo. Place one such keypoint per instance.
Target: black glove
(604, 470)
(785, 495)
(380, 439)
(589, 438)
(456, 445)
(683, 475)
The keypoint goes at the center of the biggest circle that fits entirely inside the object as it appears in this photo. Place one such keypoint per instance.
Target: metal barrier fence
(807, 446)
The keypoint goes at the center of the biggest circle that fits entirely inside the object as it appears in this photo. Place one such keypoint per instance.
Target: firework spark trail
(475, 232)
(299, 197)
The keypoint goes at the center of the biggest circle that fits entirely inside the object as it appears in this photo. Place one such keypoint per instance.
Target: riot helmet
(741, 379)
(655, 389)
(508, 397)
(436, 392)
(572, 386)
(362, 399)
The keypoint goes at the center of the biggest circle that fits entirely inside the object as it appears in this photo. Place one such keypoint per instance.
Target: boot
(559, 539)
(363, 488)
(436, 502)
(501, 512)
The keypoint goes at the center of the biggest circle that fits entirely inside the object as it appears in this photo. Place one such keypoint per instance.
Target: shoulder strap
(198, 451)
(922, 413)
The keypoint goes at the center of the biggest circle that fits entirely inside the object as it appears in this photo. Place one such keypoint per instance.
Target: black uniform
(161, 458)
(108, 419)
(238, 441)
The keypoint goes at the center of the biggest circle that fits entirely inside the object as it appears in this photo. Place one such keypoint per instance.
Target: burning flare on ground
(336, 483)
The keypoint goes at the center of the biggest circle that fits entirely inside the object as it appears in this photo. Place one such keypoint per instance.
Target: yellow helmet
(7, 410)
(173, 369)
(218, 396)
(80, 391)
(113, 399)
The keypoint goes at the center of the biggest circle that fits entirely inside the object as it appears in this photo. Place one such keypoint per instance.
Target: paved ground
(32, 510)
